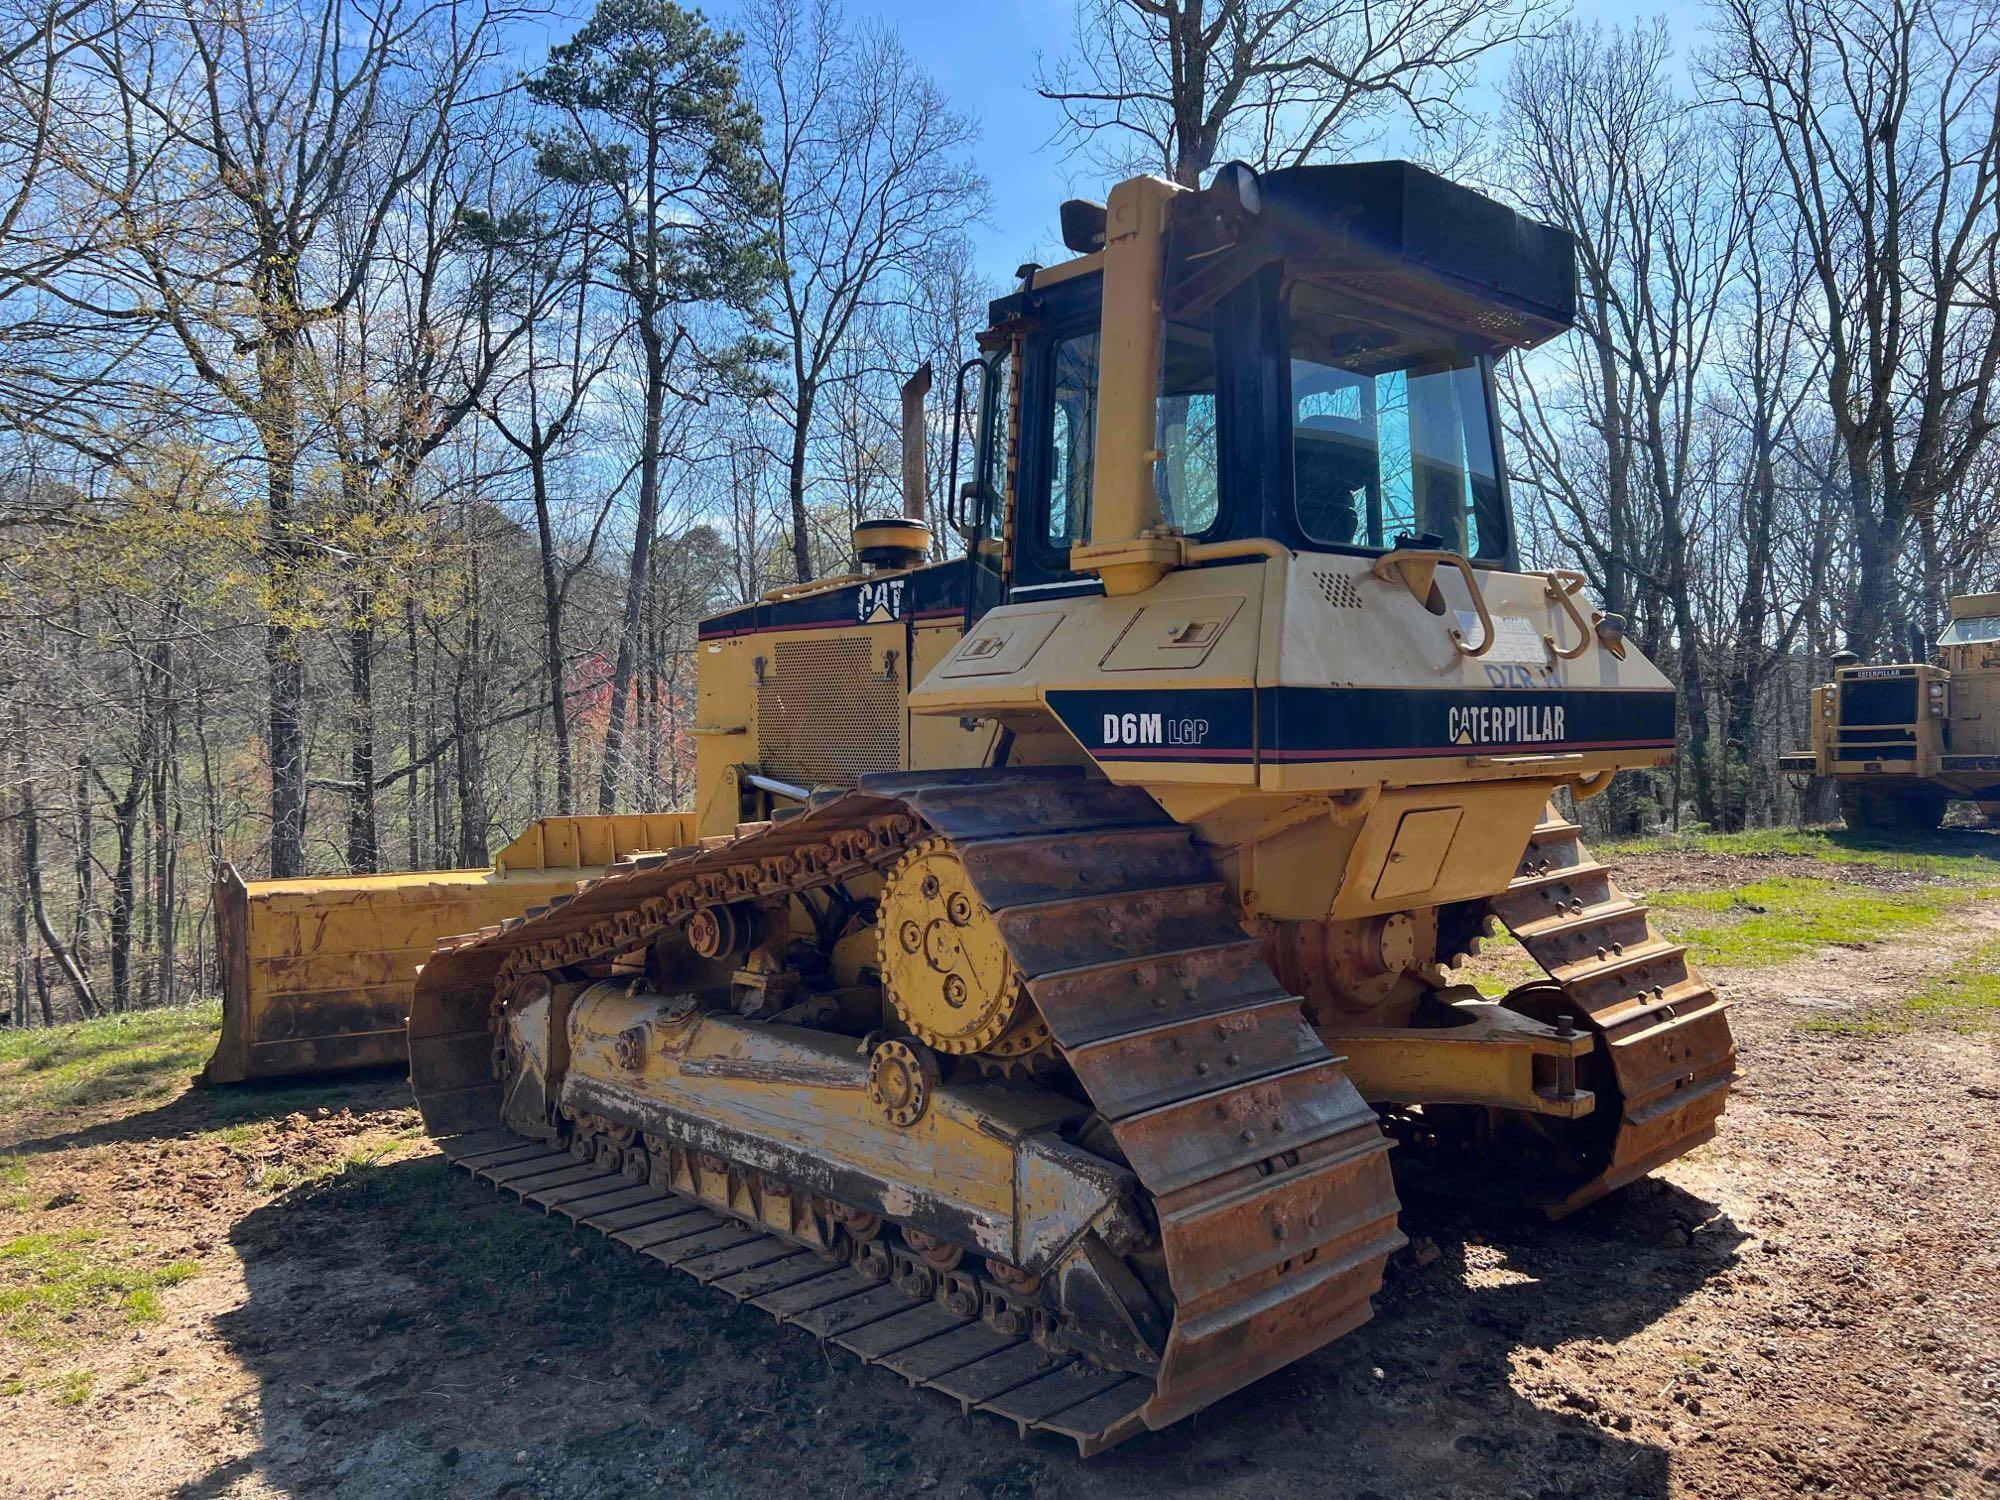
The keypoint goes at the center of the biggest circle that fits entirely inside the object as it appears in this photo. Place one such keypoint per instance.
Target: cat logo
(881, 602)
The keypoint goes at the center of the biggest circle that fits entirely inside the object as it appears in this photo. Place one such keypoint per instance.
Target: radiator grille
(1878, 700)
(826, 713)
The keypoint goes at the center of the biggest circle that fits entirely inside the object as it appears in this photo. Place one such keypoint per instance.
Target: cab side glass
(1073, 438)
(1186, 474)
(998, 413)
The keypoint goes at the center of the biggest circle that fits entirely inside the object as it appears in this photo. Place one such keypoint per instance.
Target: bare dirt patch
(1809, 1304)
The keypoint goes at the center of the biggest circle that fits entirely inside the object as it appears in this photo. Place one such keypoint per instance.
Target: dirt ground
(1809, 1304)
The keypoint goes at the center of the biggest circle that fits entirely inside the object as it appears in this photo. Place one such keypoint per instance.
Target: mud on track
(1811, 1303)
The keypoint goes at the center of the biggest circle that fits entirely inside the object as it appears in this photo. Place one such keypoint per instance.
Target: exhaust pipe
(915, 389)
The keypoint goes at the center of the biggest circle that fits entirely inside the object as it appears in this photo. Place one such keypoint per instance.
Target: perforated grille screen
(827, 714)
(1338, 588)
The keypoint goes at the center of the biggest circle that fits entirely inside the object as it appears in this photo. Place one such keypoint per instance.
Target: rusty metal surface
(1269, 1173)
(1664, 1029)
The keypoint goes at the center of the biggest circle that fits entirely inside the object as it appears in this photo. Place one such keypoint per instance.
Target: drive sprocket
(945, 967)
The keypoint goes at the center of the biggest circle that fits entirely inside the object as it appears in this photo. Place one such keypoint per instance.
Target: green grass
(1767, 922)
(146, 1054)
(51, 1281)
(73, 1387)
(1964, 998)
(241, 1109)
(284, 1177)
(1968, 996)
(1970, 857)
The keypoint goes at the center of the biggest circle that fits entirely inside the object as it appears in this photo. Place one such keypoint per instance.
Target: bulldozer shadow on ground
(411, 1333)
(192, 1111)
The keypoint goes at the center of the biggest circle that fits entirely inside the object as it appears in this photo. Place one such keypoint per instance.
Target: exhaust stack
(915, 389)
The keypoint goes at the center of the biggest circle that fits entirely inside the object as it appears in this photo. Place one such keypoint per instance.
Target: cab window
(1391, 440)
(998, 407)
(1968, 632)
(1185, 477)
(1073, 438)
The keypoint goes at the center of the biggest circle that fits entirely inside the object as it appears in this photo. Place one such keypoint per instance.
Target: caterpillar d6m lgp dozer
(1072, 926)
(1904, 740)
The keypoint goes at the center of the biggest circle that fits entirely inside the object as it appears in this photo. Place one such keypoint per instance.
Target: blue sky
(984, 54)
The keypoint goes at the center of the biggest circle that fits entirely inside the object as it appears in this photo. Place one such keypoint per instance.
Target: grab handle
(1563, 586)
(1416, 569)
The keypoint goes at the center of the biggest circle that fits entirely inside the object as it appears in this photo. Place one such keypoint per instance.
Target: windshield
(1968, 632)
(1391, 440)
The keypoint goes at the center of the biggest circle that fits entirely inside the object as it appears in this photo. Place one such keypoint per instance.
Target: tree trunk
(611, 774)
(284, 657)
(411, 747)
(802, 562)
(31, 860)
(86, 864)
(552, 631)
(363, 840)
(1878, 542)
(469, 711)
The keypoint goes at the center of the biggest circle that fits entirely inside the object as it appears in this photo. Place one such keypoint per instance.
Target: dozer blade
(317, 974)
(1264, 1173)
(1663, 1027)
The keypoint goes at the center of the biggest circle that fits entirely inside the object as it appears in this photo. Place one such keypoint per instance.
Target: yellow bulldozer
(1903, 740)
(1066, 931)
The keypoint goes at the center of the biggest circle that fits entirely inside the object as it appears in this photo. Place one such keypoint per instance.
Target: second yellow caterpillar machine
(1903, 740)
(1072, 927)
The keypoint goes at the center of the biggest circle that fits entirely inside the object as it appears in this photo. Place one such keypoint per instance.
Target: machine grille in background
(827, 713)
(1338, 588)
(1878, 700)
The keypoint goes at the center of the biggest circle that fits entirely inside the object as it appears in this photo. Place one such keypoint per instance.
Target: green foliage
(659, 125)
(145, 1054)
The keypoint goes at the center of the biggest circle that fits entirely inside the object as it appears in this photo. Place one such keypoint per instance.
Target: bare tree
(241, 138)
(871, 167)
(1605, 150)
(537, 410)
(1884, 116)
(1173, 86)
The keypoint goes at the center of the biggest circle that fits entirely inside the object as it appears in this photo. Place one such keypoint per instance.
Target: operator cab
(1326, 364)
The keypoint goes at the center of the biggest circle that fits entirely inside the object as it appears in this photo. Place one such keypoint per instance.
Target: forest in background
(381, 407)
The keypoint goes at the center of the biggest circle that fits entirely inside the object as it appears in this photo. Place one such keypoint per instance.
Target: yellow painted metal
(317, 973)
(970, 1150)
(943, 962)
(1493, 1057)
(1124, 509)
(1953, 734)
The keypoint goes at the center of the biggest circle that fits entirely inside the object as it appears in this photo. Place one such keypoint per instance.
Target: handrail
(1563, 585)
(1254, 546)
(785, 591)
(1425, 561)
